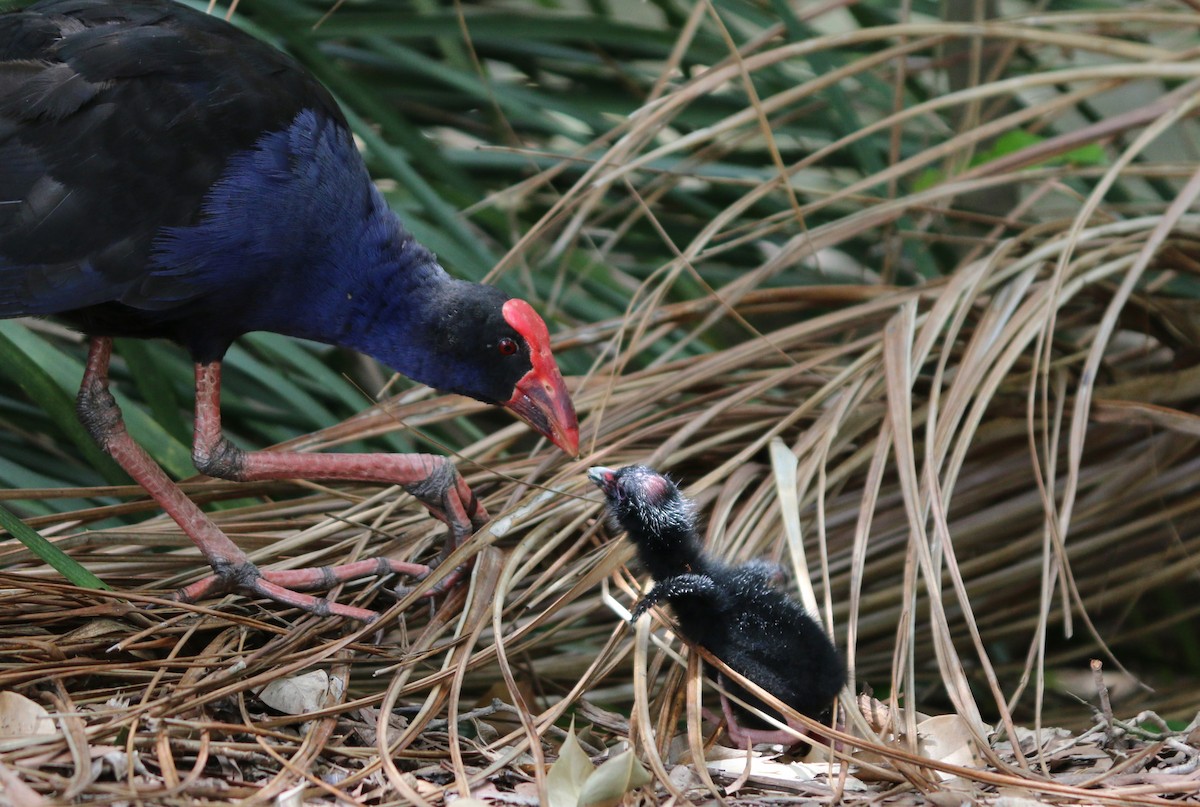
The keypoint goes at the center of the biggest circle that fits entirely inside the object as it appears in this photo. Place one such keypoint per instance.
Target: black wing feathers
(115, 120)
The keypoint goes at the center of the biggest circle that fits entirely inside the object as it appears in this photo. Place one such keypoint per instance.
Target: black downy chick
(734, 612)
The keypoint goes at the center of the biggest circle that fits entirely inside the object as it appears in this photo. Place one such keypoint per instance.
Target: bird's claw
(445, 494)
(442, 586)
(450, 500)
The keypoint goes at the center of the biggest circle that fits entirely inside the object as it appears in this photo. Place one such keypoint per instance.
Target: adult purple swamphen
(163, 174)
(734, 612)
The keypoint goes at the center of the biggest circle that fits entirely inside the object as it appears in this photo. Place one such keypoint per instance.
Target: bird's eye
(507, 347)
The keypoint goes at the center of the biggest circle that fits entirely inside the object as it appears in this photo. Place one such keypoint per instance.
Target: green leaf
(1091, 154)
(1008, 143)
(147, 372)
(569, 773)
(1013, 141)
(286, 352)
(48, 552)
(28, 362)
(927, 179)
(46, 374)
(274, 379)
(612, 780)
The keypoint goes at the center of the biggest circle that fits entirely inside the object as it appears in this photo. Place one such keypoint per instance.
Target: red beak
(540, 397)
(542, 401)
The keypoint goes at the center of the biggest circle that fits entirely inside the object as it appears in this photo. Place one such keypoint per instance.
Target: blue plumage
(300, 242)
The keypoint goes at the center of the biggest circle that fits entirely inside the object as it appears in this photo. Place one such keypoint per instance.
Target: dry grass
(995, 471)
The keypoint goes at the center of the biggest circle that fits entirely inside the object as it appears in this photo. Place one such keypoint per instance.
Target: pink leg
(100, 414)
(432, 479)
(740, 736)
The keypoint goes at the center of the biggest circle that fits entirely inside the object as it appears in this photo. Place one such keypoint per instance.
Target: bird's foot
(742, 736)
(285, 586)
(432, 480)
(456, 576)
(448, 498)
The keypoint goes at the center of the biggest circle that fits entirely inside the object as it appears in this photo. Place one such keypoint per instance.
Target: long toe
(307, 602)
(437, 589)
(322, 577)
(286, 586)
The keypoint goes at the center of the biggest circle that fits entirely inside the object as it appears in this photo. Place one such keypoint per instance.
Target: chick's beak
(603, 478)
(541, 400)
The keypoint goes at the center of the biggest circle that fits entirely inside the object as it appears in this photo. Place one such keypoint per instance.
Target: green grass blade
(155, 387)
(51, 554)
(28, 372)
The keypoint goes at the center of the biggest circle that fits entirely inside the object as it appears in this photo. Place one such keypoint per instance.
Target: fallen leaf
(301, 694)
(1082, 683)
(93, 628)
(489, 794)
(116, 760)
(1018, 801)
(573, 781)
(684, 777)
(292, 797)
(569, 773)
(17, 793)
(610, 782)
(948, 738)
(20, 717)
